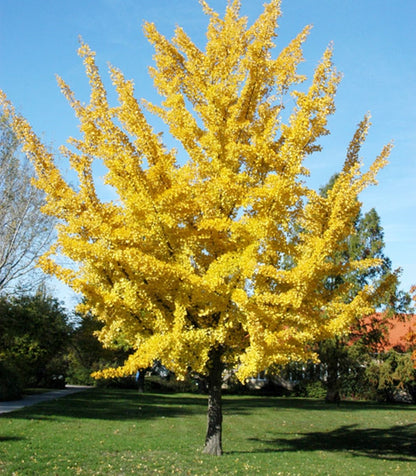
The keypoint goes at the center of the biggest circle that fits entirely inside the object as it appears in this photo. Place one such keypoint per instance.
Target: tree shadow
(113, 404)
(397, 443)
(243, 405)
(11, 438)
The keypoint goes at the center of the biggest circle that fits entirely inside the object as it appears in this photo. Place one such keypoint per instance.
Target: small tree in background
(191, 263)
(34, 334)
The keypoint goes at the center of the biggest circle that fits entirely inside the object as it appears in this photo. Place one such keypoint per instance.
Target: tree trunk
(140, 380)
(332, 393)
(213, 441)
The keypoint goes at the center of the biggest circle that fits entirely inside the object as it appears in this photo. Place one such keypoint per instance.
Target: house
(397, 332)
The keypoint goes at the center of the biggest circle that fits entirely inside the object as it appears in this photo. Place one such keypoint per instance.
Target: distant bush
(11, 387)
(119, 382)
(155, 383)
(310, 389)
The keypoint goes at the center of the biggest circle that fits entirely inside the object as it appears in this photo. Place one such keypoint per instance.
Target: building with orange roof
(397, 332)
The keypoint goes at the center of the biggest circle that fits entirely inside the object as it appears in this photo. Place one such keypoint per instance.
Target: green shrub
(155, 383)
(10, 383)
(78, 375)
(315, 390)
(310, 389)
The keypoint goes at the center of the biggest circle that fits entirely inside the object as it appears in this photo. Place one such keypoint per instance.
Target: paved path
(6, 407)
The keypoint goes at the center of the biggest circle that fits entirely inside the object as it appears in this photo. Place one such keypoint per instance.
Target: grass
(118, 432)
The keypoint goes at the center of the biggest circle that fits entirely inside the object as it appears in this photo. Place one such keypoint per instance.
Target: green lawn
(118, 432)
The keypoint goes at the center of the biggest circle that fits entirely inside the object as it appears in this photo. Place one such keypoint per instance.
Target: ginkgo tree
(217, 259)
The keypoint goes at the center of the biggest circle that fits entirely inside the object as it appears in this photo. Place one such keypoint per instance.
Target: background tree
(391, 377)
(366, 241)
(190, 264)
(34, 333)
(25, 233)
(86, 353)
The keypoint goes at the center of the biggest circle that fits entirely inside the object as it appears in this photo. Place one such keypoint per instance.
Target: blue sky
(374, 47)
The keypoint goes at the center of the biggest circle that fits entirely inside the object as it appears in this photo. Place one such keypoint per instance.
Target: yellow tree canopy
(226, 249)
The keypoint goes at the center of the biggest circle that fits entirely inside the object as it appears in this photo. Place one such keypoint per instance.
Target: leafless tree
(25, 231)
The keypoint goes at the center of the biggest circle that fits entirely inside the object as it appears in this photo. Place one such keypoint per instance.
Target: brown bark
(332, 393)
(213, 440)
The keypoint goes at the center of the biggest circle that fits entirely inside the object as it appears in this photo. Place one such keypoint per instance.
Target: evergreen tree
(367, 241)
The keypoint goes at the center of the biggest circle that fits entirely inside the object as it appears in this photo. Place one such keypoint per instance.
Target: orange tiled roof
(395, 330)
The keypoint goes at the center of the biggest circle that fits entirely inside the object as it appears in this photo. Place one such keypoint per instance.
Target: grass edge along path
(117, 432)
(34, 396)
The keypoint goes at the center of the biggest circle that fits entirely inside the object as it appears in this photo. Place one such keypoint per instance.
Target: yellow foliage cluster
(229, 249)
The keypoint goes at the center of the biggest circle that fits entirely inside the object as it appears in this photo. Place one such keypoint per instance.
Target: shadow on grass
(10, 438)
(396, 443)
(243, 405)
(121, 404)
(113, 404)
